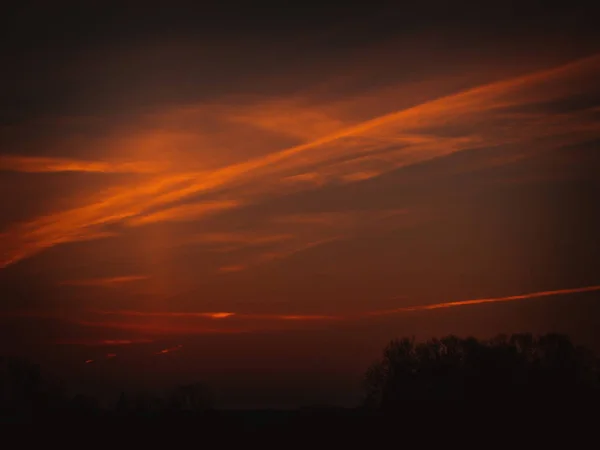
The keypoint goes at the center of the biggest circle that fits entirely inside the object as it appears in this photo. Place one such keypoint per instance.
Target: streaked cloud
(169, 350)
(182, 212)
(146, 326)
(332, 150)
(103, 342)
(106, 282)
(160, 329)
(45, 164)
(125, 341)
(481, 301)
(235, 240)
(229, 269)
(129, 313)
(215, 315)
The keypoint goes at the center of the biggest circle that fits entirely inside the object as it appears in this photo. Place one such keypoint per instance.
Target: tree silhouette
(191, 398)
(23, 390)
(520, 366)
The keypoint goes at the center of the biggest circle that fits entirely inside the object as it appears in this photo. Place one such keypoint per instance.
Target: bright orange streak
(89, 361)
(488, 300)
(104, 281)
(220, 315)
(169, 350)
(182, 330)
(373, 313)
(80, 224)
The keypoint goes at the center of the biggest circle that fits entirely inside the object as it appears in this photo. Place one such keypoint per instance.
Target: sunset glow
(293, 192)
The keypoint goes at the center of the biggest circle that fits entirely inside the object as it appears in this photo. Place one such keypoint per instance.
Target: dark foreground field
(542, 384)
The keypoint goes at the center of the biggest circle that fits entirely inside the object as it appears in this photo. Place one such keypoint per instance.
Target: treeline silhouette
(516, 368)
(505, 368)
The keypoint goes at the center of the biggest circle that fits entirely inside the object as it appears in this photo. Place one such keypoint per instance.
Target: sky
(261, 197)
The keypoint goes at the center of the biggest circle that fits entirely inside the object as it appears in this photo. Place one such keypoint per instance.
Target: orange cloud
(154, 329)
(43, 164)
(16, 248)
(81, 223)
(315, 229)
(169, 350)
(125, 341)
(306, 122)
(331, 219)
(106, 282)
(240, 239)
(340, 150)
(307, 177)
(218, 315)
(211, 315)
(102, 342)
(488, 300)
(162, 328)
(306, 317)
(359, 176)
(229, 269)
(285, 253)
(183, 212)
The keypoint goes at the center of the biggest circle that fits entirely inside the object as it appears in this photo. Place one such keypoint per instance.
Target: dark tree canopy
(24, 391)
(517, 367)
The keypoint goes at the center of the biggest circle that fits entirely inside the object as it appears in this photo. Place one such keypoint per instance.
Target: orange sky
(172, 187)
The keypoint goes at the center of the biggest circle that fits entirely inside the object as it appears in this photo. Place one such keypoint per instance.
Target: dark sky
(270, 194)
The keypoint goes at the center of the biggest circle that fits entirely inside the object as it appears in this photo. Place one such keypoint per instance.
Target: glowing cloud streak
(352, 153)
(43, 165)
(107, 282)
(481, 301)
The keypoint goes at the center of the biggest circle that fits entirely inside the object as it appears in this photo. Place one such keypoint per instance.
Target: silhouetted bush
(519, 367)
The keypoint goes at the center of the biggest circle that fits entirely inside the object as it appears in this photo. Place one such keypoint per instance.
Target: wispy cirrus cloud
(103, 342)
(162, 329)
(353, 316)
(105, 282)
(339, 150)
(145, 326)
(232, 268)
(227, 316)
(481, 301)
(52, 164)
(234, 240)
(129, 313)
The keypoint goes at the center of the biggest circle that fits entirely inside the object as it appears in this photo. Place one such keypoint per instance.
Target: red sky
(267, 203)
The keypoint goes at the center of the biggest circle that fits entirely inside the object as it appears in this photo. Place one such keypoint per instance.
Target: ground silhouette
(521, 368)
